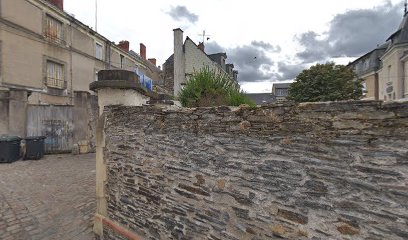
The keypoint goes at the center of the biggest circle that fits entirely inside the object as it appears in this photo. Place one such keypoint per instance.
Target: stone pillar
(119, 87)
(114, 87)
(179, 61)
(4, 112)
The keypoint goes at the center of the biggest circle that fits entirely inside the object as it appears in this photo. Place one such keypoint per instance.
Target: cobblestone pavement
(51, 198)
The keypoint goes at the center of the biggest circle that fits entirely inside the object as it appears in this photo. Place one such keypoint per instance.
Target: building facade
(367, 67)
(189, 57)
(280, 91)
(49, 58)
(385, 69)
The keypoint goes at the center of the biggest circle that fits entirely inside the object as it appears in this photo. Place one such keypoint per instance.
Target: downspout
(70, 64)
(376, 84)
(108, 55)
(403, 80)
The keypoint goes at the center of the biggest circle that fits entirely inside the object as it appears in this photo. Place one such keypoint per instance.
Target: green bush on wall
(206, 88)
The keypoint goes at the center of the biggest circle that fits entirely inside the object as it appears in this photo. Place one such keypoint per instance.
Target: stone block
(83, 149)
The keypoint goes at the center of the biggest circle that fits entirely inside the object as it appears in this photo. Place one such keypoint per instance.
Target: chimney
(153, 61)
(179, 61)
(143, 51)
(58, 3)
(124, 45)
(201, 46)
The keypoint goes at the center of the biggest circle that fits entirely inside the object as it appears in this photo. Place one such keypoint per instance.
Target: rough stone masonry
(309, 171)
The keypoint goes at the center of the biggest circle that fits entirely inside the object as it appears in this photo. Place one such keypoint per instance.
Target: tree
(206, 88)
(326, 82)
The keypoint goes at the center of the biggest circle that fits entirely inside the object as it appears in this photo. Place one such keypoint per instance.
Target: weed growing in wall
(207, 88)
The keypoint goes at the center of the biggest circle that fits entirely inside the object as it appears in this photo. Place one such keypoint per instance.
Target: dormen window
(281, 92)
(122, 59)
(55, 75)
(99, 51)
(53, 29)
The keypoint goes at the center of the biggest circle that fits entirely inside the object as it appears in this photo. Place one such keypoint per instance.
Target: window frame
(96, 51)
(59, 35)
(122, 60)
(57, 81)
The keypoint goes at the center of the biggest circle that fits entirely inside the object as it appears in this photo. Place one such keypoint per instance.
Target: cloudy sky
(267, 41)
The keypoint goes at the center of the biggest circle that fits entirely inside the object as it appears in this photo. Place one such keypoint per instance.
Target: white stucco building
(189, 57)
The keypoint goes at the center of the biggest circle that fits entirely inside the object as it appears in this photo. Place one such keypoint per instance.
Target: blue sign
(145, 81)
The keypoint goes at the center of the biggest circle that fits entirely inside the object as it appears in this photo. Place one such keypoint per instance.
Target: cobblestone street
(51, 198)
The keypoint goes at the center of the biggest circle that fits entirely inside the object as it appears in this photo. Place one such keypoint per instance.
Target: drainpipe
(403, 81)
(70, 64)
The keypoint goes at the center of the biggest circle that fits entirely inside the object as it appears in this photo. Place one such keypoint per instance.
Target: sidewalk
(51, 198)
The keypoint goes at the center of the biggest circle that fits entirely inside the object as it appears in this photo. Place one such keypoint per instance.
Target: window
(389, 73)
(99, 51)
(281, 92)
(55, 75)
(122, 58)
(53, 29)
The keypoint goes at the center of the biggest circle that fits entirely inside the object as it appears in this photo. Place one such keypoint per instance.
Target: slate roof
(262, 98)
(281, 85)
(170, 59)
(216, 57)
(401, 35)
(373, 58)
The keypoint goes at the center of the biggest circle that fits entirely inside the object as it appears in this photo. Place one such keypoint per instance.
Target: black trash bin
(34, 148)
(9, 149)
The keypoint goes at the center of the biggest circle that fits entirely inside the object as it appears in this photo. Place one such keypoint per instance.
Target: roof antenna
(204, 35)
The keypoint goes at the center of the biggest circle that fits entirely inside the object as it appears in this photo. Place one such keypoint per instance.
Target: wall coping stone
(120, 79)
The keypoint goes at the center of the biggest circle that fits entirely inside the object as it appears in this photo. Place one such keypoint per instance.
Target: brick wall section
(329, 171)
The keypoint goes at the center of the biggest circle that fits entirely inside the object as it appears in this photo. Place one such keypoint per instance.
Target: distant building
(189, 57)
(262, 98)
(280, 91)
(385, 69)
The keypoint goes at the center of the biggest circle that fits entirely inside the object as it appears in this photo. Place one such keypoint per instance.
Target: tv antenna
(204, 36)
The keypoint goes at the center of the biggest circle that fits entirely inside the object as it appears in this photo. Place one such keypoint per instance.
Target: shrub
(326, 82)
(206, 88)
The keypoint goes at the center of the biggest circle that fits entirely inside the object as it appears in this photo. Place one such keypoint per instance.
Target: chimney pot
(124, 45)
(153, 61)
(143, 51)
(201, 46)
(58, 3)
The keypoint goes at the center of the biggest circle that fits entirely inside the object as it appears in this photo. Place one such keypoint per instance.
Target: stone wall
(310, 171)
(4, 111)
